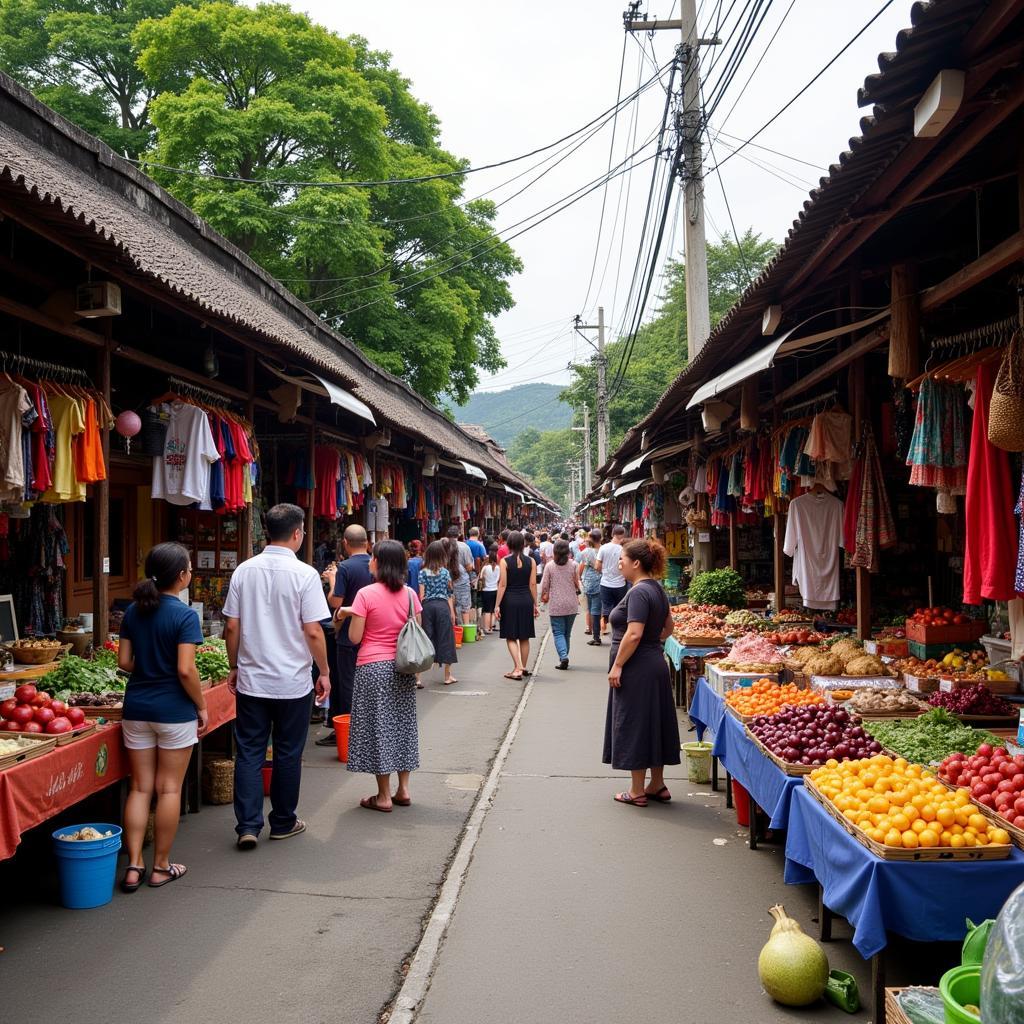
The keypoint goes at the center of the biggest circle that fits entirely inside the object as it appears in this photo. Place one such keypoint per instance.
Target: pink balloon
(128, 423)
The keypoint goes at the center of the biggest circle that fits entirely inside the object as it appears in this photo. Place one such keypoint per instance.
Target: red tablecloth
(38, 789)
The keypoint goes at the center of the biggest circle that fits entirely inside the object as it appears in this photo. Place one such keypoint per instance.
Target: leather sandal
(126, 886)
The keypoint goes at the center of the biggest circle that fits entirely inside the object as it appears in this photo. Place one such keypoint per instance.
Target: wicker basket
(219, 781)
(37, 655)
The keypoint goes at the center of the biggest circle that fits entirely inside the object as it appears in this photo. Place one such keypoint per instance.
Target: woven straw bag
(1006, 410)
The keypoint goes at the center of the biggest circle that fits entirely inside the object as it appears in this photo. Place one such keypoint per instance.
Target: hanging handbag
(1006, 410)
(414, 652)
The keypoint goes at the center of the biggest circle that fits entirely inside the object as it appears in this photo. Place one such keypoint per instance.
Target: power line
(390, 181)
(793, 100)
(756, 145)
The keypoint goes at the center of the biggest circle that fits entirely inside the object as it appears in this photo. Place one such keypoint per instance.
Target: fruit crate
(925, 652)
(951, 634)
(891, 648)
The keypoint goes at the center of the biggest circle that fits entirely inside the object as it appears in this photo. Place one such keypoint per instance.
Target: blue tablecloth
(924, 901)
(769, 786)
(675, 652)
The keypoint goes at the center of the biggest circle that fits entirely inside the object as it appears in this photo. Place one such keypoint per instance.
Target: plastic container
(458, 636)
(469, 633)
(268, 774)
(341, 728)
(972, 953)
(958, 987)
(741, 800)
(87, 867)
(698, 761)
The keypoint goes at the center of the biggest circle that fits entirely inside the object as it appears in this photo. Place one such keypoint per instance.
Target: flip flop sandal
(400, 802)
(370, 803)
(173, 873)
(628, 798)
(527, 672)
(450, 682)
(125, 885)
(663, 796)
(512, 675)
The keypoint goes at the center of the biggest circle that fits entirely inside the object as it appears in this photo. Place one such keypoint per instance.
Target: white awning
(765, 357)
(466, 467)
(655, 454)
(631, 487)
(338, 395)
(512, 490)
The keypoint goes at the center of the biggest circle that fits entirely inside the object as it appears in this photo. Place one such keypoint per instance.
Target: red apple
(33, 726)
(25, 693)
(40, 700)
(59, 725)
(58, 707)
(43, 715)
(7, 707)
(76, 716)
(11, 726)
(22, 714)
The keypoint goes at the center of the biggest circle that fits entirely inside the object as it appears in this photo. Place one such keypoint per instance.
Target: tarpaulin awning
(630, 487)
(763, 358)
(466, 467)
(656, 453)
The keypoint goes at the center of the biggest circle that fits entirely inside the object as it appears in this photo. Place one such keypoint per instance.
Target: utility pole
(587, 467)
(602, 382)
(698, 316)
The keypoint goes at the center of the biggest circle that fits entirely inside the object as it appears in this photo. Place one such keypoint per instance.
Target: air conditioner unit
(98, 298)
(429, 462)
(714, 414)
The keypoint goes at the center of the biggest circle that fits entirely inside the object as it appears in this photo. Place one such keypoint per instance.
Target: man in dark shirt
(346, 581)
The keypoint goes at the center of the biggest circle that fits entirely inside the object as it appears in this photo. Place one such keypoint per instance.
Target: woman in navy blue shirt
(164, 707)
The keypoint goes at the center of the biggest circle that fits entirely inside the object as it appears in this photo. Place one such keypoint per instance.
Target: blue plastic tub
(88, 867)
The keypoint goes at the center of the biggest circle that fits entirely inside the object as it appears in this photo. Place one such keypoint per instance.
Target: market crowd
(337, 638)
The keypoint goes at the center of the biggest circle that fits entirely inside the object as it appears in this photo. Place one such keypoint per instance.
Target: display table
(40, 788)
(36, 790)
(770, 788)
(677, 653)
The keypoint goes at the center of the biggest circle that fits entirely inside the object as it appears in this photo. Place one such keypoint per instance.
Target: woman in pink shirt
(384, 738)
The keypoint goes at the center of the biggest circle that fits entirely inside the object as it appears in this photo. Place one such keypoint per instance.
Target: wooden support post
(245, 516)
(779, 558)
(734, 555)
(863, 576)
(101, 507)
(904, 326)
(307, 547)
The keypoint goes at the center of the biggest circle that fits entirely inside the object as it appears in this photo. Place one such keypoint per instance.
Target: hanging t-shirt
(814, 535)
(88, 449)
(181, 475)
(42, 440)
(14, 403)
(68, 423)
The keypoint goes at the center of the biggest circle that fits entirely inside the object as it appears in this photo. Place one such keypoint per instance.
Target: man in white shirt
(547, 550)
(272, 630)
(613, 583)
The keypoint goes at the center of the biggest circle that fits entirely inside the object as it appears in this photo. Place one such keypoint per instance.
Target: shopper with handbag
(559, 590)
(437, 595)
(384, 738)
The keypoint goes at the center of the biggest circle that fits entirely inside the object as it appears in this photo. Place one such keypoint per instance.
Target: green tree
(78, 56)
(273, 98)
(658, 353)
(543, 457)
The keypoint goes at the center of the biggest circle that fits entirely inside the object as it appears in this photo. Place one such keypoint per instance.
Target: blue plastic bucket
(87, 867)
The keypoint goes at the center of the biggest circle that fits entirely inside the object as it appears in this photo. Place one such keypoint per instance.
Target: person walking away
(503, 544)
(439, 606)
(164, 709)
(559, 589)
(345, 582)
(272, 631)
(641, 729)
(517, 604)
(547, 550)
(463, 576)
(479, 553)
(613, 585)
(532, 548)
(415, 564)
(590, 583)
(490, 574)
(384, 738)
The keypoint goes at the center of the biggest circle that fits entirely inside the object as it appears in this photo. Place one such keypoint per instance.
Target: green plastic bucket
(958, 987)
(469, 633)
(698, 761)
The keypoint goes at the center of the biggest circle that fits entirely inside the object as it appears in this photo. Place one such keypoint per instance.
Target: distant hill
(505, 414)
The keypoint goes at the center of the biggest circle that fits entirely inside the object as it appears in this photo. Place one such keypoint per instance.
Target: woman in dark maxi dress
(641, 730)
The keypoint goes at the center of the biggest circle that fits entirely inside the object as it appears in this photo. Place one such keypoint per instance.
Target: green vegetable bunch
(76, 675)
(718, 586)
(212, 660)
(930, 738)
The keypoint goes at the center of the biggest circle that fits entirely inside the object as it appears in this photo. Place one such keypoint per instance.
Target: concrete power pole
(602, 382)
(698, 316)
(587, 460)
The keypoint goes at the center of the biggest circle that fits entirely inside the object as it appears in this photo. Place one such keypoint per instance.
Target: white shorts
(165, 735)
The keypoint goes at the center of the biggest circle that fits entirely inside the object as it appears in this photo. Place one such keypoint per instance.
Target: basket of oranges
(764, 697)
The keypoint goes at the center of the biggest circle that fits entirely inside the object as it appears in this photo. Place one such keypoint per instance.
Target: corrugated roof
(81, 178)
(932, 42)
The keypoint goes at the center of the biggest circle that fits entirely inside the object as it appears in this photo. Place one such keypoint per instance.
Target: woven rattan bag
(1006, 410)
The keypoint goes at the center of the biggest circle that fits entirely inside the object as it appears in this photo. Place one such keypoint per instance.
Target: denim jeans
(260, 721)
(561, 628)
(610, 597)
(594, 607)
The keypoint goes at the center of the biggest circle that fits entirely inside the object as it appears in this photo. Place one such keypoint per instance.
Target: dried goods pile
(874, 700)
(752, 653)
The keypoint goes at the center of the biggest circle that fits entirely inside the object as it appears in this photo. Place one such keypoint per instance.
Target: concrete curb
(417, 981)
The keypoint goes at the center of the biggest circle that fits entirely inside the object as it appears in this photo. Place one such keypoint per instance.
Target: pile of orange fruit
(765, 698)
(904, 805)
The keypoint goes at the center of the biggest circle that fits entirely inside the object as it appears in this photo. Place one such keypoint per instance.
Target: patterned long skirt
(383, 736)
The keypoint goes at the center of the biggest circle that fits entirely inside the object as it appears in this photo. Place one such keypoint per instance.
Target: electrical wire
(419, 179)
(728, 209)
(756, 145)
(800, 93)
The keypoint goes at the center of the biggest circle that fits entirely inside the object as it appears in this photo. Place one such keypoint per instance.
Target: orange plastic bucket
(341, 727)
(458, 636)
(741, 799)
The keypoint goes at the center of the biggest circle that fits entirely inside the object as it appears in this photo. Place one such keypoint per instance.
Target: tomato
(7, 707)
(22, 714)
(32, 726)
(44, 715)
(76, 716)
(41, 699)
(25, 693)
(11, 726)
(961, 620)
(59, 725)
(58, 707)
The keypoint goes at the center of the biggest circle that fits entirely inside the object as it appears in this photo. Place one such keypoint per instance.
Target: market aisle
(578, 909)
(309, 931)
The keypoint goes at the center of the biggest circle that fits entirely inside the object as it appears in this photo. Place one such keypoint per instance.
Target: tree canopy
(236, 110)
(543, 456)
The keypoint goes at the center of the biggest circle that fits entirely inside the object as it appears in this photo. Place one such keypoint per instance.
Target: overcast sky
(507, 78)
